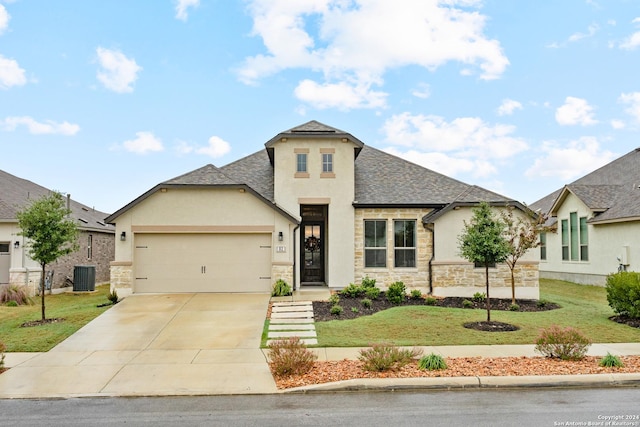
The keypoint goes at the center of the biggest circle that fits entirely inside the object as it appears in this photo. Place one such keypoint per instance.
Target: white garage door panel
(202, 263)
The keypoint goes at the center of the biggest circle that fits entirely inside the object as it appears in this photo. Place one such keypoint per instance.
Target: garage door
(202, 263)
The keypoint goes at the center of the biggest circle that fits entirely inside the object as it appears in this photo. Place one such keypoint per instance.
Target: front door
(5, 262)
(313, 253)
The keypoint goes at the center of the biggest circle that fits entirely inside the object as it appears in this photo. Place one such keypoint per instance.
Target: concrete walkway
(208, 344)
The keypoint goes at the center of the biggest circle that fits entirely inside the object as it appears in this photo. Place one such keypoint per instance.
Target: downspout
(294, 256)
(432, 228)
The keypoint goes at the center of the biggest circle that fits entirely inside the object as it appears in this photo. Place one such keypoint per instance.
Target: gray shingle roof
(206, 175)
(16, 193)
(612, 190)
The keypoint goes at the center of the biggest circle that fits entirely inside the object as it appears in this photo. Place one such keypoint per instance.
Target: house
(96, 238)
(316, 206)
(596, 224)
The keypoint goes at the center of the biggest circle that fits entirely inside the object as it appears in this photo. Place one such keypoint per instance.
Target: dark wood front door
(312, 252)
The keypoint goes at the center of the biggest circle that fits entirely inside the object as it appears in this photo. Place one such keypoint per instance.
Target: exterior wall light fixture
(16, 245)
(280, 236)
(123, 236)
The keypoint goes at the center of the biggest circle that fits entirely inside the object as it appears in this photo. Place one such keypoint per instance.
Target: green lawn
(583, 307)
(77, 310)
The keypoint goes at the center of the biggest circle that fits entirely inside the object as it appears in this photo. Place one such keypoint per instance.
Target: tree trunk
(486, 275)
(42, 290)
(513, 285)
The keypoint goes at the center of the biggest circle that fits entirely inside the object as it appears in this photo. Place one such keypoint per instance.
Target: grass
(77, 310)
(583, 307)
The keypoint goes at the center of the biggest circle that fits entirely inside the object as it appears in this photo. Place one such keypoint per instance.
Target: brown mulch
(322, 309)
(41, 322)
(324, 372)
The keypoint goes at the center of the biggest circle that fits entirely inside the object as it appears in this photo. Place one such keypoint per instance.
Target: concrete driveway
(168, 344)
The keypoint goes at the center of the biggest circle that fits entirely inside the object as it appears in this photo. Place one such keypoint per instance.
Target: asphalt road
(516, 407)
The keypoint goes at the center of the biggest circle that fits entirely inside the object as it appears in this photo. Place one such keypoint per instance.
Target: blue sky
(106, 99)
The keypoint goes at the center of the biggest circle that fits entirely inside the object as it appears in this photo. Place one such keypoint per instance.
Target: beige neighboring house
(316, 206)
(596, 222)
(96, 238)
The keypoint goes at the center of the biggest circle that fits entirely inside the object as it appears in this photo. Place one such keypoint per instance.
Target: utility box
(84, 278)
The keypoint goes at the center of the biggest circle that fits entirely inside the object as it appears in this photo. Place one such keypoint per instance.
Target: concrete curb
(452, 383)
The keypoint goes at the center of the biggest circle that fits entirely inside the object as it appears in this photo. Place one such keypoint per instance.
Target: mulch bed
(322, 309)
(324, 372)
(41, 322)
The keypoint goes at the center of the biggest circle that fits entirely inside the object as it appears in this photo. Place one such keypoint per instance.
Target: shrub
(430, 301)
(514, 307)
(372, 293)
(11, 304)
(368, 283)
(542, 303)
(384, 357)
(355, 310)
(396, 293)
(566, 344)
(281, 289)
(432, 362)
(334, 299)
(479, 297)
(366, 302)
(623, 293)
(289, 356)
(611, 361)
(467, 304)
(415, 294)
(352, 291)
(16, 293)
(336, 310)
(113, 297)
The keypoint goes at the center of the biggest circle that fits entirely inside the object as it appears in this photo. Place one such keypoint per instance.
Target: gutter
(432, 228)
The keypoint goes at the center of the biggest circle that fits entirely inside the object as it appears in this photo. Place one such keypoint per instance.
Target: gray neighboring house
(596, 224)
(96, 238)
(315, 206)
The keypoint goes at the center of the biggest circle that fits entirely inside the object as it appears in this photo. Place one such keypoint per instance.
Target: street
(504, 407)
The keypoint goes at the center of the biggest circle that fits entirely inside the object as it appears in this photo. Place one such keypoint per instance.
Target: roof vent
(85, 209)
(101, 223)
(83, 220)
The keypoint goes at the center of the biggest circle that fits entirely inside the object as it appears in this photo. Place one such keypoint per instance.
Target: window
(89, 246)
(543, 246)
(375, 243)
(301, 162)
(565, 239)
(327, 163)
(575, 238)
(405, 243)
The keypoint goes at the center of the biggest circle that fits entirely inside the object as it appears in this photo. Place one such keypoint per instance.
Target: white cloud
(633, 41)
(591, 31)
(508, 106)
(567, 163)
(632, 99)
(617, 124)
(575, 111)
(145, 142)
(465, 144)
(342, 96)
(10, 73)
(48, 127)
(182, 6)
(422, 91)
(4, 19)
(117, 73)
(358, 41)
(217, 147)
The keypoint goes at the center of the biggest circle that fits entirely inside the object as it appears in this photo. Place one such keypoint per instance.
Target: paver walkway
(292, 319)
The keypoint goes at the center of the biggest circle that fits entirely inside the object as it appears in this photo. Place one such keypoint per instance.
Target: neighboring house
(315, 207)
(596, 224)
(96, 238)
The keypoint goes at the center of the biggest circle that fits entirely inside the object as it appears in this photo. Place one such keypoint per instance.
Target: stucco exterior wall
(417, 277)
(336, 191)
(606, 243)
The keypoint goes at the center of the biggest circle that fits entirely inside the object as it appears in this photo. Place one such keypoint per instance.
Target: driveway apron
(164, 344)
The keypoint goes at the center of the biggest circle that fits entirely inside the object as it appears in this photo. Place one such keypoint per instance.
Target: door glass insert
(313, 250)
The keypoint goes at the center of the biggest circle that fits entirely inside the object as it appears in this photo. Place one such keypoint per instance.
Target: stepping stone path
(292, 319)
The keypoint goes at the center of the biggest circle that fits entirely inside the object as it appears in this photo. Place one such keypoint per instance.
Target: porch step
(292, 319)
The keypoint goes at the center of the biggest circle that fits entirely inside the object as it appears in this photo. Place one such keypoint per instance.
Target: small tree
(482, 242)
(50, 233)
(522, 235)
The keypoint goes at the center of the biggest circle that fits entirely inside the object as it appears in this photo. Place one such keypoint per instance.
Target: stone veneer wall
(122, 276)
(417, 277)
(463, 274)
(282, 271)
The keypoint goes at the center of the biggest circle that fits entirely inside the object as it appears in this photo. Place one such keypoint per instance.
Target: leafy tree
(51, 233)
(522, 235)
(482, 242)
